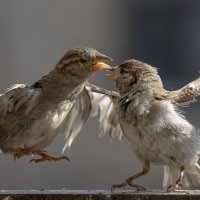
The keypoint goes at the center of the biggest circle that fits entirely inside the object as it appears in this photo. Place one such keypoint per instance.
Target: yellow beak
(100, 66)
(114, 74)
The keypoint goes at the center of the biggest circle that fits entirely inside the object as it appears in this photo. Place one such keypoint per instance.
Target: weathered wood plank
(97, 195)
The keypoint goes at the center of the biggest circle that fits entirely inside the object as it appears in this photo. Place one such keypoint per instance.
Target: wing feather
(76, 118)
(104, 101)
(186, 94)
(14, 96)
(91, 101)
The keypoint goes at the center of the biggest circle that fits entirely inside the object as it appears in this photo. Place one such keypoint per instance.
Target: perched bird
(149, 118)
(32, 116)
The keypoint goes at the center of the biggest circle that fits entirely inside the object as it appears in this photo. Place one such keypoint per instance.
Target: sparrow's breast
(44, 130)
(163, 136)
(34, 132)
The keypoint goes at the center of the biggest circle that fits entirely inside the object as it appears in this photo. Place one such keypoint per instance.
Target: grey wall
(35, 34)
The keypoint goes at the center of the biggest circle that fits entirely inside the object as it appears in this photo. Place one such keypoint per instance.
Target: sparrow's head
(82, 62)
(133, 75)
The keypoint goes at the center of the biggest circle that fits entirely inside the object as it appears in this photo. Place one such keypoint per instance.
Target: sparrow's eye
(82, 60)
(123, 70)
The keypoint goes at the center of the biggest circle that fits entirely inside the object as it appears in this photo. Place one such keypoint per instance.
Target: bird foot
(21, 152)
(175, 186)
(46, 157)
(43, 154)
(128, 183)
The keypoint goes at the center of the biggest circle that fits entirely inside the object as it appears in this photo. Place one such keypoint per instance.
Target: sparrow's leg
(178, 184)
(129, 181)
(21, 152)
(46, 157)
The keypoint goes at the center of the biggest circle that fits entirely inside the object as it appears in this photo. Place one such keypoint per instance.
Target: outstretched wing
(76, 118)
(91, 100)
(13, 97)
(104, 102)
(186, 94)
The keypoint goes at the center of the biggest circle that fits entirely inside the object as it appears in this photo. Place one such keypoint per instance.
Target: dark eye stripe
(134, 81)
(82, 60)
(36, 85)
(123, 70)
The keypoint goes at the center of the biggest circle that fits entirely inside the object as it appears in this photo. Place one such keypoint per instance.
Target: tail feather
(191, 176)
(171, 175)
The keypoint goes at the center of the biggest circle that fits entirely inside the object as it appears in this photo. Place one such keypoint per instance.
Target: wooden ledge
(98, 195)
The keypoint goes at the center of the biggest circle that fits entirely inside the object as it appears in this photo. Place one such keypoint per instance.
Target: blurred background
(35, 34)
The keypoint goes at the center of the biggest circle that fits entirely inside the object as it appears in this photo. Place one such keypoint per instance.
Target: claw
(46, 157)
(20, 153)
(129, 181)
(178, 184)
(138, 187)
(175, 186)
(115, 186)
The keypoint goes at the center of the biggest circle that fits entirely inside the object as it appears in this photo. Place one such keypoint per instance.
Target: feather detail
(186, 94)
(104, 101)
(15, 96)
(91, 101)
(76, 118)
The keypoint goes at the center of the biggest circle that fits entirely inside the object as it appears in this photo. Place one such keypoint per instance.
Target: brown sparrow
(32, 116)
(147, 115)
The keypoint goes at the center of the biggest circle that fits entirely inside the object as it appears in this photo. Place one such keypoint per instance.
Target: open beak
(98, 63)
(114, 74)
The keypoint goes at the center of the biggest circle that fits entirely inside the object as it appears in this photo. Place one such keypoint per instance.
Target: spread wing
(13, 97)
(104, 102)
(186, 94)
(91, 101)
(76, 118)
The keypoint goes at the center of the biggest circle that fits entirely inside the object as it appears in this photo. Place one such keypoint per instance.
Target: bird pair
(143, 111)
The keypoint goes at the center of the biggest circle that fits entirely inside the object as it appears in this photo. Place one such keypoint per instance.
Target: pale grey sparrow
(148, 116)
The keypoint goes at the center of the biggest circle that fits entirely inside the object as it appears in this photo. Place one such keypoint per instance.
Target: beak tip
(103, 57)
(110, 69)
(108, 58)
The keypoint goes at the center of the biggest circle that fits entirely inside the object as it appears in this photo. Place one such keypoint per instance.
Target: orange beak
(98, 63)
(100, 66)
(114, 74)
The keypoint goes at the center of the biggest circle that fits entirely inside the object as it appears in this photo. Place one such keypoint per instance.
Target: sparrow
(147, 115)
(59, 103)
